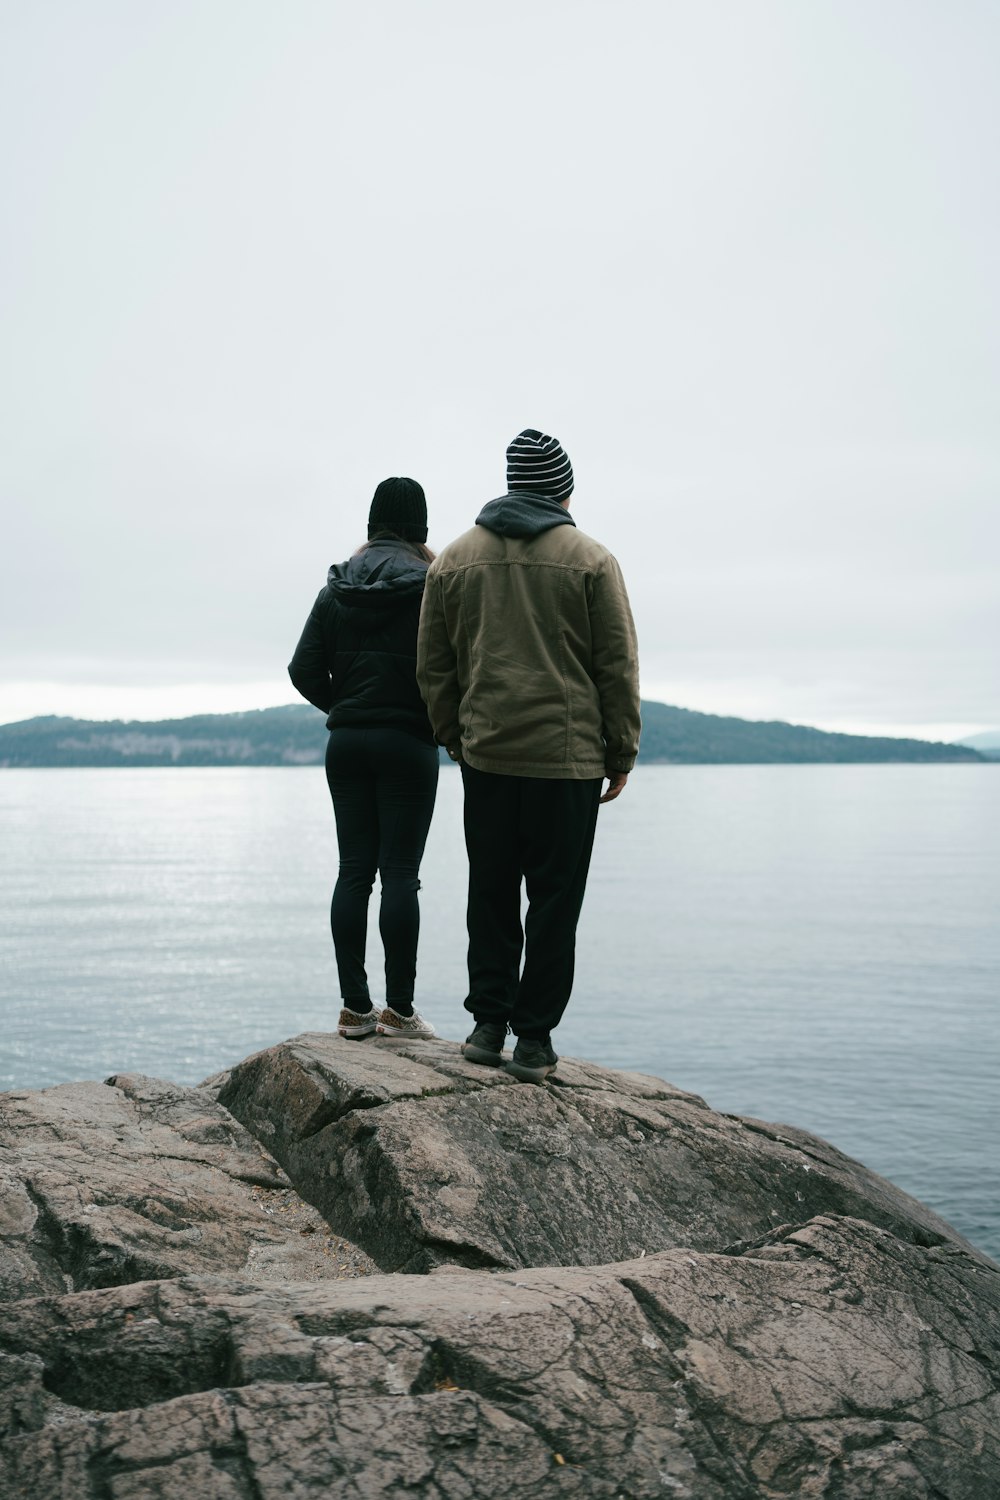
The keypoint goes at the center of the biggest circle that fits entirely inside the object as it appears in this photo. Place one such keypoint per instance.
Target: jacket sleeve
(309, 667)
(437, 667)
(615, 666)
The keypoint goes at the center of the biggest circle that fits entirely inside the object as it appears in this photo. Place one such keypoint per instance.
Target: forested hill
(680, 735)
(296, 736)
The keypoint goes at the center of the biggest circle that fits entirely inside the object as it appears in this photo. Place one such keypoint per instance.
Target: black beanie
(539, 464)
(399, 506)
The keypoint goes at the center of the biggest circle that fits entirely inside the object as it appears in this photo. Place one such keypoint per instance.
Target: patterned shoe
(355, 1024)
(485, 1045)
(390, 1023)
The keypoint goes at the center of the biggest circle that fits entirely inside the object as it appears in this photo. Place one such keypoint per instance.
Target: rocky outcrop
(102, 1184)
(425, 1160)
(771, 1320)
(832, 1360)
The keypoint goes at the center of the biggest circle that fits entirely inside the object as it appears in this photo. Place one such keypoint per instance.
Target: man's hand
(616, 785)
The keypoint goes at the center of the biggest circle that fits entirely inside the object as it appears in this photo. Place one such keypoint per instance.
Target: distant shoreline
(295, 735)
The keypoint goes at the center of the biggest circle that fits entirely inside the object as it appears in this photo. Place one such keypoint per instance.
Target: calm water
(815, 944)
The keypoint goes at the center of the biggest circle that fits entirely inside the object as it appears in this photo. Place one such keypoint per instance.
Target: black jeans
(544, 831)
(383, 783)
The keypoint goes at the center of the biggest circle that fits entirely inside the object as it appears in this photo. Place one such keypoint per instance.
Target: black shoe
(486, 1043)
(533, 1061)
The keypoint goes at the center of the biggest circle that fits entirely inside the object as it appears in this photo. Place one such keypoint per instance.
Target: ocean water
(812, 944)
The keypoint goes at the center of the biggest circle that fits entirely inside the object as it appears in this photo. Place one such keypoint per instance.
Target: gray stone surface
(631, 1295)
(424, 1159)
(103, 1184)
(833, 1360)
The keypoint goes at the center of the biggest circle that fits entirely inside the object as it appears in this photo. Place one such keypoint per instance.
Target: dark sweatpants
(544, 831)
(383, 783)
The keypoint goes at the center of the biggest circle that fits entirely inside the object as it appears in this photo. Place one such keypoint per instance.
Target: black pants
(383, 783)
(544, 831)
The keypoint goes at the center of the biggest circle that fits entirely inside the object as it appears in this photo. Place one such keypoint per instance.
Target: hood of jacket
(383, 576)
(520, 514)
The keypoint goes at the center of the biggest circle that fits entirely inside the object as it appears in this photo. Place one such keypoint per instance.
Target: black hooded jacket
(356, 659)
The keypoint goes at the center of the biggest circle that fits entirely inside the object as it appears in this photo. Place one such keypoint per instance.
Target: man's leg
(494, 910)
(558, 821)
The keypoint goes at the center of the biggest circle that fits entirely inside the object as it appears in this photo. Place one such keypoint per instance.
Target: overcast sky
(739, 256)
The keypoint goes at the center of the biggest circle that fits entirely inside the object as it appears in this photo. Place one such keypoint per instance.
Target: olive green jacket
(526, 651)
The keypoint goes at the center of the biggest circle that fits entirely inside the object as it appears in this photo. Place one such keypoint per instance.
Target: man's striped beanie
(539, 464)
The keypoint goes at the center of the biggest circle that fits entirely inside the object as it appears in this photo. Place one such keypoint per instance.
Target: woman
(356, 661)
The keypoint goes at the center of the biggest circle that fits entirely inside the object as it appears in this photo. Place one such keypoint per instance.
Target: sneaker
(533, 1061)
(355, 1024)
(391, 1023)
(485, 1045)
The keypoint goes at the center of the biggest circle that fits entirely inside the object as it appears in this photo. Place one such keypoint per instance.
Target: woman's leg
(352, 787)
(406, 786)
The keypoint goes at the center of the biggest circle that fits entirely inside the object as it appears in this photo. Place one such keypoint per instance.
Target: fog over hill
(295, 735)
(987, 743)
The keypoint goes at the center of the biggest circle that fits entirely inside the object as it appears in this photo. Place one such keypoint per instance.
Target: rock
(104, 1184)
(424, 1160)
(633, 1296)
(832, 1359)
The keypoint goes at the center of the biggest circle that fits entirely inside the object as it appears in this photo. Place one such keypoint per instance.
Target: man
(527, 661)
